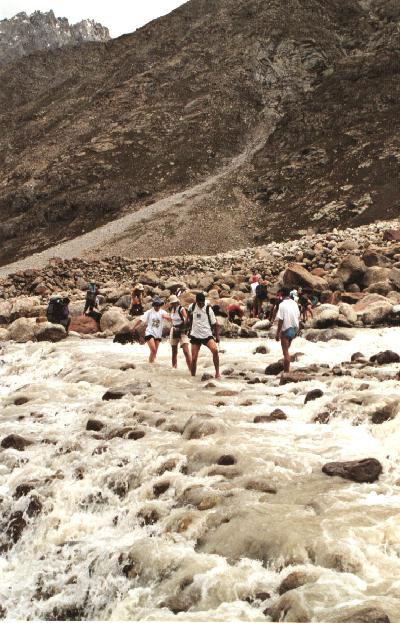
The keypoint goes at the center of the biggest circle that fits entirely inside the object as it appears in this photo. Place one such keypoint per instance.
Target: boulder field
(354, 272)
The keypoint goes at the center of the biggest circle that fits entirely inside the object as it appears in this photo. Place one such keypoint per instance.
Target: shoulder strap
(208, 316)
(180, 313)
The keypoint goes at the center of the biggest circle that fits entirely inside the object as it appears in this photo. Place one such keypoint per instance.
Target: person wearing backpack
(92, 300)
(178, 335)
(58, 312)
(203, 331)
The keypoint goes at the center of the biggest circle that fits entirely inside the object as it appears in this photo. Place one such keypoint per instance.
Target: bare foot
(218, 376)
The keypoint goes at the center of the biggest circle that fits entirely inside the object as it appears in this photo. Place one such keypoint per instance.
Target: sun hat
(139, 286)
(173, 299)
(157, 301)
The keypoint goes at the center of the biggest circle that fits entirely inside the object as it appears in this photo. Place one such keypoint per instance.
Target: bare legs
(285, 343)
(212, 346)
(186, 352)
(153, 345)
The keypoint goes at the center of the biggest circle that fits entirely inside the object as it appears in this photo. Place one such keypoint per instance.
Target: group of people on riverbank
(197, 326)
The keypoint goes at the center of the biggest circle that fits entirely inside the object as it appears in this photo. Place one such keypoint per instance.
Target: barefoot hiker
(178, 336)
(203, 327)
(154, 320)
(288, 325)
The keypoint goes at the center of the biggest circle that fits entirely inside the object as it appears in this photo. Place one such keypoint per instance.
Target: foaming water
(202, 513)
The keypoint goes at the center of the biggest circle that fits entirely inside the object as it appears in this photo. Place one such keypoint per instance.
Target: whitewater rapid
(159, 527)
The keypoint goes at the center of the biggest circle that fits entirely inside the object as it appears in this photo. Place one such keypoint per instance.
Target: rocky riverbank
(356, 273)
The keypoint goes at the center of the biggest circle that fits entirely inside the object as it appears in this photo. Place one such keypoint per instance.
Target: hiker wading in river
(178, 335)
(154, 320)
(288, 325)
(203, 331)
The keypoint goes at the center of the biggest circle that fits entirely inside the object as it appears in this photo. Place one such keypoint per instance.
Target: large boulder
(85, 325)
(22, 330)
(365, 470)
(49, 332)
(372, 257)
(392, 235)
(394, 278)
(375, 274)
(326, 315)
(363, 615)
(4, 335)
(298, 275)
(114, 320)
(351, 269)
(5, 311)
(348, 312)
(373, 309)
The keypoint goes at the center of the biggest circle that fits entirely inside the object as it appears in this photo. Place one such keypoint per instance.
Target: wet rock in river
(226, 459)
(273, 369)
(313, 395)
(276, 414)
(290, 607)
(364, 615)
(383, 414)
(95, 425)
(3, 612)
(296, 579)
(358, 357)
(160, 488)
(260, 485)
(34, 507)
(16, 442)
(199, 427)
(133, 389)
(24, 488)
(293, 377)
(364, 470)
(206, 377)
(386, 356)
(261, 350)
(15, 526)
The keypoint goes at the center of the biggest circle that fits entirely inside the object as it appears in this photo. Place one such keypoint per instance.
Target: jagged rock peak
(23, 34)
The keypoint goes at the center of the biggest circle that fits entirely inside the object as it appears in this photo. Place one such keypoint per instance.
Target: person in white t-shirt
(288, 325)
(154, 320)
(203, 328)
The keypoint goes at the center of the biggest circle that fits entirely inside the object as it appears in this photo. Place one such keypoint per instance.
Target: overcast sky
(120, 16)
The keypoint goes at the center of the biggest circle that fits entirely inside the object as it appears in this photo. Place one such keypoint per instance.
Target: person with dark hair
(203, 331)
(153, 319)
(235, 313)
(288, 325)
(136, 308)
(261, 297)
(305, 305)
(92, 300)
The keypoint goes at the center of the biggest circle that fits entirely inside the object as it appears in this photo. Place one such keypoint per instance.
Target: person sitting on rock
(203, 331)
(235, 313)
(154, 320)
(136, 308)
(58, 312)
(178, 336)
(288, 325)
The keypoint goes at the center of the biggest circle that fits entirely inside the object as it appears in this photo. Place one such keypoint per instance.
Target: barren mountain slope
(286, 99)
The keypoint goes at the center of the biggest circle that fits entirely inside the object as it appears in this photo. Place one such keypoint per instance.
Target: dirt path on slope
(110, 232)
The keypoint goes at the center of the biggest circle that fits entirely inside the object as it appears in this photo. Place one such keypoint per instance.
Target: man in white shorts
(288, 325)
(203, 327)
(178, 335)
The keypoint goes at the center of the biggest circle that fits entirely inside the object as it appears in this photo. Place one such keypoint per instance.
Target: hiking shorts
(199, 341)
(290, 333)
(178, 341)
(151, 337)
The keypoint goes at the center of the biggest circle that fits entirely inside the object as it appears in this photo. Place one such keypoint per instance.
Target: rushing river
(160, 527)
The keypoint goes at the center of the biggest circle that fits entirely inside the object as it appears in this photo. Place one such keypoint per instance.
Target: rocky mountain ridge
(282, 116)
(23, 34)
